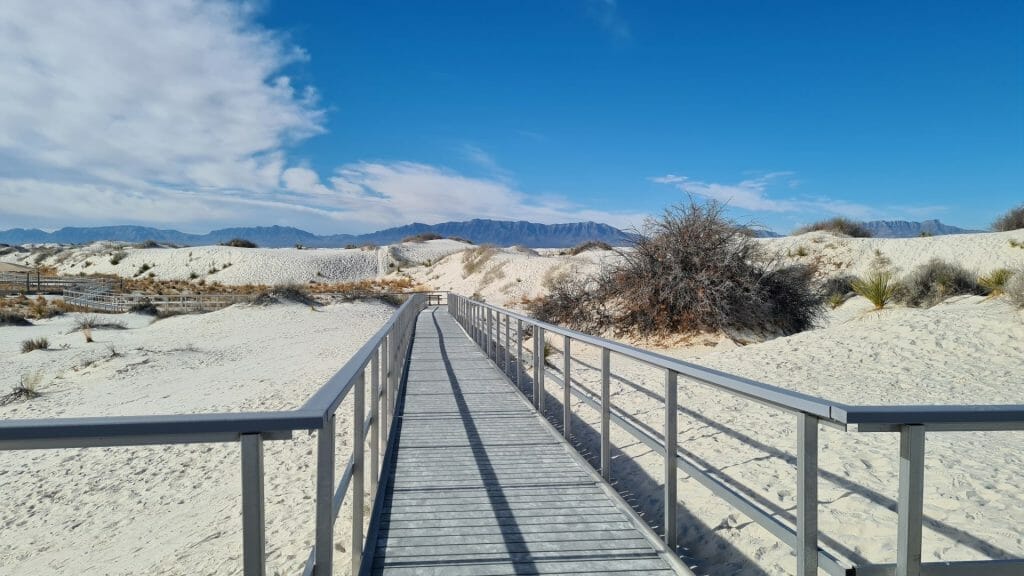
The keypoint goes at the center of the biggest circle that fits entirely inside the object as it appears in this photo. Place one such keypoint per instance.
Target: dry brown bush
(1012, 220)
(843, 226)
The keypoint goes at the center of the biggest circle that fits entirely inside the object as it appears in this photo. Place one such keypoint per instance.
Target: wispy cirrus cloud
(753, 194)
(606, 14)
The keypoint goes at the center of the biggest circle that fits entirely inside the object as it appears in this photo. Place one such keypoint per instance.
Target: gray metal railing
(494, 328)
(380, 362)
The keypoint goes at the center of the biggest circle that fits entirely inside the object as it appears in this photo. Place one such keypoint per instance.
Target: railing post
(254, 551)
(807, 495)
(324, 556)
(374, 423)
(911, 501)
(671, 434)
(606, 413)
(538, 367)
(358, 419)
(519, 353)
(566, 387)
(490, 333)
(508, 352)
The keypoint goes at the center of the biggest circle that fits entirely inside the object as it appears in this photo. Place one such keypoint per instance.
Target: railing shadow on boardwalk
(630, 479)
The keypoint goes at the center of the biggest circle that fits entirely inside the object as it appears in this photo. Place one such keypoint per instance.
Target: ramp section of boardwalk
(481, 486)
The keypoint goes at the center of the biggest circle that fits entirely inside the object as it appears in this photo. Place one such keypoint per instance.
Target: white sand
(237, 266)
(170, 509)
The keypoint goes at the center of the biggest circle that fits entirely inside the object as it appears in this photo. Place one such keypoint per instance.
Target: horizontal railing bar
(339, 494)
(139, 427)
(148, 440)
(781, 531)
(331, 394)
(965, 568)
(964, 415)
(773, 395)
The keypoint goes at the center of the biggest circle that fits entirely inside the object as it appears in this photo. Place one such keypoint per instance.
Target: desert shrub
(95, 323)
(294, 293)
(692, 270)
(9, 318)
(27, 388)
(239, 243)
(837, 289)
(1013, 219)
(473, 260)
(994, 283)
(839, 225)
(350, 246)
(589, 245)
(422, 237)
(934, 281)
(34, 344)
(1014, 289)
(878, 287)
(461, 239)
(145, 308)
(116, 257)
(148, 244)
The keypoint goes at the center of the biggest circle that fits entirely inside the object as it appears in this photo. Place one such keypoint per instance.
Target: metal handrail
(380, 362)
(486, 324)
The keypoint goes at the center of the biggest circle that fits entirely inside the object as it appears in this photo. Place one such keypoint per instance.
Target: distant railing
(499, 331)
(381, 362)
(35, 282)
(99, 299)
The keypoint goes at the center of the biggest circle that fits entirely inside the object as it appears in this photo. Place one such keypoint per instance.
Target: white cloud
(606, 13)
(752, 194)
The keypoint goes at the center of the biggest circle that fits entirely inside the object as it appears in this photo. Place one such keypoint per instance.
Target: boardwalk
(481, 486)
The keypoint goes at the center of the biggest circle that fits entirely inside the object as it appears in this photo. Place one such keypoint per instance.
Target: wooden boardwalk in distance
(481, 486)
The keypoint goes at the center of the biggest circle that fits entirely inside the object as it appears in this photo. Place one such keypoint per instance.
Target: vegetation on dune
(837, 290)
(473, 260)
(589, 245)
(10, 318)
(935, 281)
(239, 243)
(34, 344)
(839, 225)
(27, 388)
(878, 287)
(994, 283)
(423, 237)
(691, 270)
(1013, 219)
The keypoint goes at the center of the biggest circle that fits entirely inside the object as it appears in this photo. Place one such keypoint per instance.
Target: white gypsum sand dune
(170, 509)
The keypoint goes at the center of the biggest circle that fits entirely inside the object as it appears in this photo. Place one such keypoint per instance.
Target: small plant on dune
(146, 244)
(1016, 244)
(1014, 288)
(837, 290)
(423, 237)
(995, 281)
(8, 318)
(350, 246)
(116, 257)
(87, 332)
(843, 226)
(1013, 219)
(935, 281)
(589, 245)
(27, 388)
(239, 243)
(295, 293)
(95, 323)
(34, 344)
(461, 239)
(879, 288)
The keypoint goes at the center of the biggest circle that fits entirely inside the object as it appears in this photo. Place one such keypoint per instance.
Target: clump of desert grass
(96, 323)
(935, 281)
(473, 260)
(692, 270)
(423, 237)
(34, 344)
(837, 290)
(27, 388)
(1013, 219)
(842, 226)
(878, 287)
(10, 318)
(994, 283)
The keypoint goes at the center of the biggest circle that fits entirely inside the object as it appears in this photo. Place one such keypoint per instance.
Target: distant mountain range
(500, 232)
(904, 229)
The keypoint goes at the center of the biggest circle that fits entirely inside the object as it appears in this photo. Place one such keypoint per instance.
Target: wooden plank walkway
(481, 486)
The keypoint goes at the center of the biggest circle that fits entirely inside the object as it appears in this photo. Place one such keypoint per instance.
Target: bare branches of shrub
(692, 270)
(1013, 219)
(27, 388)
(239, 243)
(589, 245)
(95, 323)
(34, 344)
(935, 281)
(838, 225)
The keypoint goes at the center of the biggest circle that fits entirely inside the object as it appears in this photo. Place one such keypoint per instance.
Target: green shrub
(935, 281)
(995, 281)
(589, 245)
(843, 226)
(837, 290)
(879, 288)
(1013, 219)
(34, 344)
(418, 238)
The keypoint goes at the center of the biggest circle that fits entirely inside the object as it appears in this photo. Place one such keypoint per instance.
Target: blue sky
(353, 116)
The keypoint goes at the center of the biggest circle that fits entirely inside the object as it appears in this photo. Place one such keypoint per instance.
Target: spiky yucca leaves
(995, 281)
(879, 288)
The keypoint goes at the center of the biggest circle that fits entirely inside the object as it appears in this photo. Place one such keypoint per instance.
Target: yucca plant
(994, 282)
(879, 288)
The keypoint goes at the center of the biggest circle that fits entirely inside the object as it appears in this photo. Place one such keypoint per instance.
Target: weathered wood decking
(481, 486)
